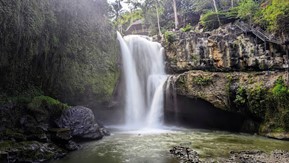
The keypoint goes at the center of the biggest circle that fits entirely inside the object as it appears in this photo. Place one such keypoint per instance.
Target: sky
(124, 5)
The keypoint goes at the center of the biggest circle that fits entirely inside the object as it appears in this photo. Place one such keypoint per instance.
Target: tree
(133, 4)
(216, 10)
(175, 14)
(247, 9)
(116, 9)
(276, 15)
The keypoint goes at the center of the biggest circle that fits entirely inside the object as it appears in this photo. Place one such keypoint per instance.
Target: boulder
(81, 122)
(185, 154)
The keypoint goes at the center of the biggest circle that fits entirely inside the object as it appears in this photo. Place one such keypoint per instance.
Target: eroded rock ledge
(260, 96)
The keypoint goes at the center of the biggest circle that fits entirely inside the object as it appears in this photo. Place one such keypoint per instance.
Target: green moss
(48, 106)
(202, 80)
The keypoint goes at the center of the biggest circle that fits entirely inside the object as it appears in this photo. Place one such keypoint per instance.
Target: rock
(71, 146)
(29, 151)
(185, 154)
(214, 87)
(276, 156)
(277, 135)
(226, 48)
(80, 120)
(62, 137)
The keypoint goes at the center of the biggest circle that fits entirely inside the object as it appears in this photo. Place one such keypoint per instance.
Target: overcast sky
(124, 5)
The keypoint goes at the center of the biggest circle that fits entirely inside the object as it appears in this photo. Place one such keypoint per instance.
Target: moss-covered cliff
(65, 49)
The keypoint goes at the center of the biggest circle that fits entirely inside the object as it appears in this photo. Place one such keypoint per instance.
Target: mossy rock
(45, 107)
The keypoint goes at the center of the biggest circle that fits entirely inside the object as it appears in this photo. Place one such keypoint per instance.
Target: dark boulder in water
(81, 121)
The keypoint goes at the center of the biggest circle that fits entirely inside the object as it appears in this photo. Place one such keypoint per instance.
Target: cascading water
(144, 75)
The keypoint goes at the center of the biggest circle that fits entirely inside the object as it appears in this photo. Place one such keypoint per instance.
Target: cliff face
(65, 48)
(233, 71)
(225, 49)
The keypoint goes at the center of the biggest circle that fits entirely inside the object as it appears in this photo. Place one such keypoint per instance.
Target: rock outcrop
(235, 71)
(216, 87)
(225, 49)
(80, 120)
(44, 129)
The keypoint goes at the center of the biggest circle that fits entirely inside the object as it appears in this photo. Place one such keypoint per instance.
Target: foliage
(279, 90)
(257, 100)
(128, 18)
(187, 28)
(170, 36)
(210, 19)
(276, 14)
(202, 80)
(241, 97)
(247, 9)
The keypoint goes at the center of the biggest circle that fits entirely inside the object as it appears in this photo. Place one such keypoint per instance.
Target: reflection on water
(153, 147)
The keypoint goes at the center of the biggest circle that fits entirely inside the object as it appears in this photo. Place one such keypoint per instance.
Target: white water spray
(144, 76)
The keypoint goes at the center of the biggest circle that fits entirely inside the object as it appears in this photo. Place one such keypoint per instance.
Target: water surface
(152, 146)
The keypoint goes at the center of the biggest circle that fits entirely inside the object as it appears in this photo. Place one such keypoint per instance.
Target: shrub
(257, 97)
(187, 28)
(210, 19)
(170, 36)
(241, 97)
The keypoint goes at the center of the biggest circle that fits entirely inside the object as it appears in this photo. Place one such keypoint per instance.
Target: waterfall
(144, 75)
(171, 96)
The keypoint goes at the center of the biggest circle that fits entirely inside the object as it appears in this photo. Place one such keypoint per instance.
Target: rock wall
(65, 48)
(224, 49)
(235, 72)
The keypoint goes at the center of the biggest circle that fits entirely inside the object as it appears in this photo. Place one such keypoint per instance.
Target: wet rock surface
(28, 135)
(187, 155)
(29, 151)
(276, 156)
(80, 120)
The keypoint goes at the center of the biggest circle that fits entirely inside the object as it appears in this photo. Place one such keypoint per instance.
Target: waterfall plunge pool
(152, 146)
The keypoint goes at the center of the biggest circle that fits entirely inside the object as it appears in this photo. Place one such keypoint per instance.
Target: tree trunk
(216, 10)
(158, 17)
(232, 3)
(175, 14)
